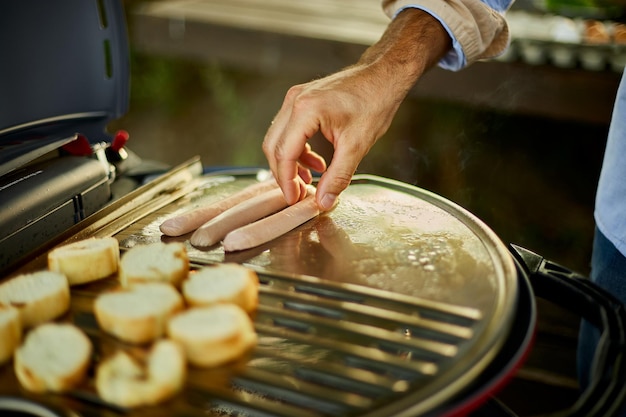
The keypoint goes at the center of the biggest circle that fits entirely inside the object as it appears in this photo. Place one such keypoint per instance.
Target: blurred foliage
(170, 84)
(223, 86)
(178, 102)
(600, 9)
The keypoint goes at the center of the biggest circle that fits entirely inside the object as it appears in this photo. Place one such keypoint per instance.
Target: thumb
(337, 177)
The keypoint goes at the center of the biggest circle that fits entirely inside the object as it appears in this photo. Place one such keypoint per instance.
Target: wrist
(413, 43)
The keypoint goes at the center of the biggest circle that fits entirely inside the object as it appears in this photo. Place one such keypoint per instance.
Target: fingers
(336, 107)
(312, 160)
(291, 160)
(282, 164)
(338, 175)
(272, 136)
(305, 174)
(285, 146)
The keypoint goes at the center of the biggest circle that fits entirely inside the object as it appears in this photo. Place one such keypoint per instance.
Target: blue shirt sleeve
(455, 59)
(610, 209)
(500, 6)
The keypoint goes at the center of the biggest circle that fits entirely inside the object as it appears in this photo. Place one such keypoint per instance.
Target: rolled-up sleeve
(477, 28)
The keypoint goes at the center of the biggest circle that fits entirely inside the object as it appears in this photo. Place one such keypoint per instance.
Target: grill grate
(336, 349)
(325, 349)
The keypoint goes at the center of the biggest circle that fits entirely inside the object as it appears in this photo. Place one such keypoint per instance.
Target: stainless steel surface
(383, 234)
(396, 284)
(393, 304)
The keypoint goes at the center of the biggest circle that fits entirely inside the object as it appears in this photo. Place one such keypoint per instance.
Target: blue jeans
(608, 270)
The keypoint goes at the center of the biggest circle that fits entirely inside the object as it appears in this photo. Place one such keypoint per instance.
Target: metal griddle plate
(392, 304)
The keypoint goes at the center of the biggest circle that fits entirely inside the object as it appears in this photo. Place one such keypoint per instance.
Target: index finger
(287, 148)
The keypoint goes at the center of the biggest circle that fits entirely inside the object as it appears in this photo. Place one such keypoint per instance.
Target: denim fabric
(608, 270)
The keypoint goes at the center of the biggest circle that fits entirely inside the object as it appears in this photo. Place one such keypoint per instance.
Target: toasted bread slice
(10, 332)
(54, 357)
(86, 260)
(137, 314)
(155, 262)
(222, 283)
(212, 336)
(41, 296)
(132, 382)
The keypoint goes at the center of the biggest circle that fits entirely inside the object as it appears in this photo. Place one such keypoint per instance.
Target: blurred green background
(599, 9)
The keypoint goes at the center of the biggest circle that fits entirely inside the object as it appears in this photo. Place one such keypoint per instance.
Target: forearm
(477, 27)
(413, 42)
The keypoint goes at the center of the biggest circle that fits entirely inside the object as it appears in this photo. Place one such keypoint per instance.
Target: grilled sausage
(271, 227)
(243, 213)
(190, 221)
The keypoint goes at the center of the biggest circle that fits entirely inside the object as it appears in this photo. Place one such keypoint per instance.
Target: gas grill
(424, 313)
(397, 303)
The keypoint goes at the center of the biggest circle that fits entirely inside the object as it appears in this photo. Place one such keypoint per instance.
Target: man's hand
(349, 108)
(352, 108)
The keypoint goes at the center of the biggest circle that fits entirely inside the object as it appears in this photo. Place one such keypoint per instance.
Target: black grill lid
(65, 70)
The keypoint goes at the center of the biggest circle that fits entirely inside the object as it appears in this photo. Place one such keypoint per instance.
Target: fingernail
(328, 200)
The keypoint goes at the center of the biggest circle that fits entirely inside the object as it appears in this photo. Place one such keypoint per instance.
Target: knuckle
(279, 152)
(300, 105)
(266, 148)
(307, 100)
(293, 92)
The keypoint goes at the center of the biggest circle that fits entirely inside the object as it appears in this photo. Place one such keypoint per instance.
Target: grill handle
(606, 393)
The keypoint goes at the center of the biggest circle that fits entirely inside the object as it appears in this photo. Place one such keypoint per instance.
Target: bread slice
(222, 283)
(41, 296)
(137, 314)
(212, 336)
(132, 382)
(86, 260)
(54, 357)
(155, 262)
(10, 332)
